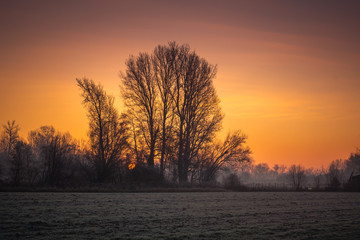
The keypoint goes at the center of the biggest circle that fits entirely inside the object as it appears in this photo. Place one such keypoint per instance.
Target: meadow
(191, 215)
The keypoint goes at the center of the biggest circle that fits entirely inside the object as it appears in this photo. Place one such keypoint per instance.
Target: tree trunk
(163, 147)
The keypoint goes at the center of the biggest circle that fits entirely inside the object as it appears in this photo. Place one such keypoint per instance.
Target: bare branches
(140, 94)
(230, 152)
(107, 133)
(54, 152)
(171, 92)
(9, 136)
(297, 176)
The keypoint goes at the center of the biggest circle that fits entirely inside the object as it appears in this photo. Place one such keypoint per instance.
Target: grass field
(212, 215)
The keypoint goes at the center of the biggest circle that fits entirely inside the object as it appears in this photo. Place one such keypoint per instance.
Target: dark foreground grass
(185, 215)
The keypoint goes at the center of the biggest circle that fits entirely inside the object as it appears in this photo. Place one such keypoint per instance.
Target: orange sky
(288, 72)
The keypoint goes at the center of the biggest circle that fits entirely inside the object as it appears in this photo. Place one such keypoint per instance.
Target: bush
(232, 182)
(145, 176)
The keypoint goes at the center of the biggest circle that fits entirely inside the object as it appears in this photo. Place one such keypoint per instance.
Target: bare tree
(230, 152)
(164, 63)
(318, 175)
(107, 134)
(136, 142)
(173, 104)
(335, 174)
(21, 169)
(261, 170)
(140, 94)
(279, 169)
(197, 111)
(54, 152)
(297, 176)
(9, 136)
(353, 164)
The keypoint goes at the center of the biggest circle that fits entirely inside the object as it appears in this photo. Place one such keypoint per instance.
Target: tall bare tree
(197, 110)
(140, 95)
(107, 133)
(173, 103)
(165, 59)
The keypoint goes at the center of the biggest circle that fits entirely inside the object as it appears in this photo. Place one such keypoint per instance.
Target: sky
(288, 71)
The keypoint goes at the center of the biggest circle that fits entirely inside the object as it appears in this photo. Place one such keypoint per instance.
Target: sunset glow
(131, 166)
(288, 72)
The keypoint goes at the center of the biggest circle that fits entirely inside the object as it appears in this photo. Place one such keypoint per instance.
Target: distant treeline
(341, 174)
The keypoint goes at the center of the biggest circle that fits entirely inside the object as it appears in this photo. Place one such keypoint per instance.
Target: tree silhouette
(135, 141)
(296, 176)
(172, 91)
(335, 174)
(21, 164)
(139, 92)
(164, 63)
(54, 152)
(9, 136)
(353, 163)
(197, 112)
(107, 133)
(231, 151)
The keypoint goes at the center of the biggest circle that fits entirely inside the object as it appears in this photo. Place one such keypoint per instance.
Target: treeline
(46, 158)
(49, 158)
(165, 134)
(341, 174)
